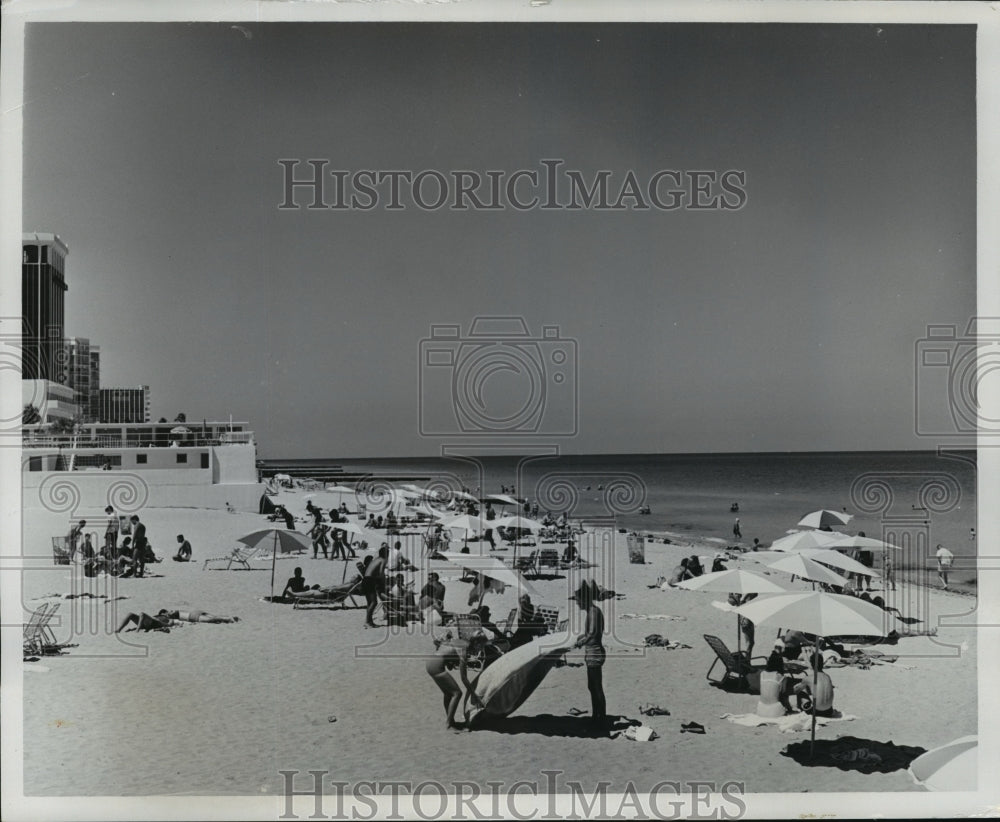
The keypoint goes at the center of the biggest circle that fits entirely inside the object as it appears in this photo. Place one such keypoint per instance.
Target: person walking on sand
(737, 531)
(944, 560)
(592, 642)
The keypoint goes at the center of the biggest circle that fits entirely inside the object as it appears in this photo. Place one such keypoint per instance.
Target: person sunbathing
(194, 616)
(145, 622)
(296, 584)
(330, 592)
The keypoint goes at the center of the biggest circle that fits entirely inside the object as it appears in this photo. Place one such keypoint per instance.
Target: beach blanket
(786, 724)
(653, 616)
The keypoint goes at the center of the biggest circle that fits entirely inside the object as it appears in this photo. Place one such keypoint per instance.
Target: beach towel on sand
(652, 616)
(786, 724)
(507, 683)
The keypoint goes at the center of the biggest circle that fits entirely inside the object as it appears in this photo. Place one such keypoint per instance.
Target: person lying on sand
(163, 619)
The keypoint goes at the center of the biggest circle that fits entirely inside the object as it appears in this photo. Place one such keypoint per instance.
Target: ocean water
(890, 494)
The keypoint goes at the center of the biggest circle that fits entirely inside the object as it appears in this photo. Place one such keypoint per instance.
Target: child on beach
(592, 642)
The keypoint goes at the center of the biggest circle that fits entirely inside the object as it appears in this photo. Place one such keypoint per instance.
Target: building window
(204, 460)
(181, 458)
(35, 463)
(140, 459)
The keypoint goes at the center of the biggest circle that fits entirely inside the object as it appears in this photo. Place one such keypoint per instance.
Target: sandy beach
(222, 708)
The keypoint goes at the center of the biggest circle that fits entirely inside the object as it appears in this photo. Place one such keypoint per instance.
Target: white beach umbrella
(464, 522)
(952, 767)
(825, 519)
(861, 544)
(499, 499)
(800, 565)
(804, 539)
(819, 613)
(828, 556)
(516, 521)
(734, 581)
(493, 568)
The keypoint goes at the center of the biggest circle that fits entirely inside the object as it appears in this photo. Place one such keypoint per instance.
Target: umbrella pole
(274, 557)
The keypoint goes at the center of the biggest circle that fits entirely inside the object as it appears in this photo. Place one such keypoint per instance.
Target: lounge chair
(507, 625)
(547, 558)
(333, 597)
(38, 637)
(550, 616)
(738, 668)
(396, 611)
(242, 555)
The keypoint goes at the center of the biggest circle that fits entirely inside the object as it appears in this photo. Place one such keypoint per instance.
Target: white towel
(652, 616)
(786, 724)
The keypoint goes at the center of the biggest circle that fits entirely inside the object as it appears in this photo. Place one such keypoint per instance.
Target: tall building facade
(43, 286)
(123, 405)
(83, 375)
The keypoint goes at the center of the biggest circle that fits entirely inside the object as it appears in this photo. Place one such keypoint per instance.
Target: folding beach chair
(337, 596)
(38, 637)
(242, 555)
(550, 616)
(737, 667)
(507, 625)
(396, 611)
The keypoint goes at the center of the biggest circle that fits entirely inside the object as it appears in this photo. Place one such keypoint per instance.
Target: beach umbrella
(861, 544)
(494, 569)
(825, 519)
(467, 523)
(952, 767)
(499, 499)
(282, 540)
(733, 581)
(828, 556)
(800, 565)
(517, 521)
(804, 539)
(819, 613)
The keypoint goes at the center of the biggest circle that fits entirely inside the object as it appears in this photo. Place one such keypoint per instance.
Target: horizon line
(938, 451)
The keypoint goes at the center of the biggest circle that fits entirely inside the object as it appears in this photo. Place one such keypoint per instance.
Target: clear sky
(789, 324)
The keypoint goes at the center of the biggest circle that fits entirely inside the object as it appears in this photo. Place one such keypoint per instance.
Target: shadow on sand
(849, 753)
(579, 727)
